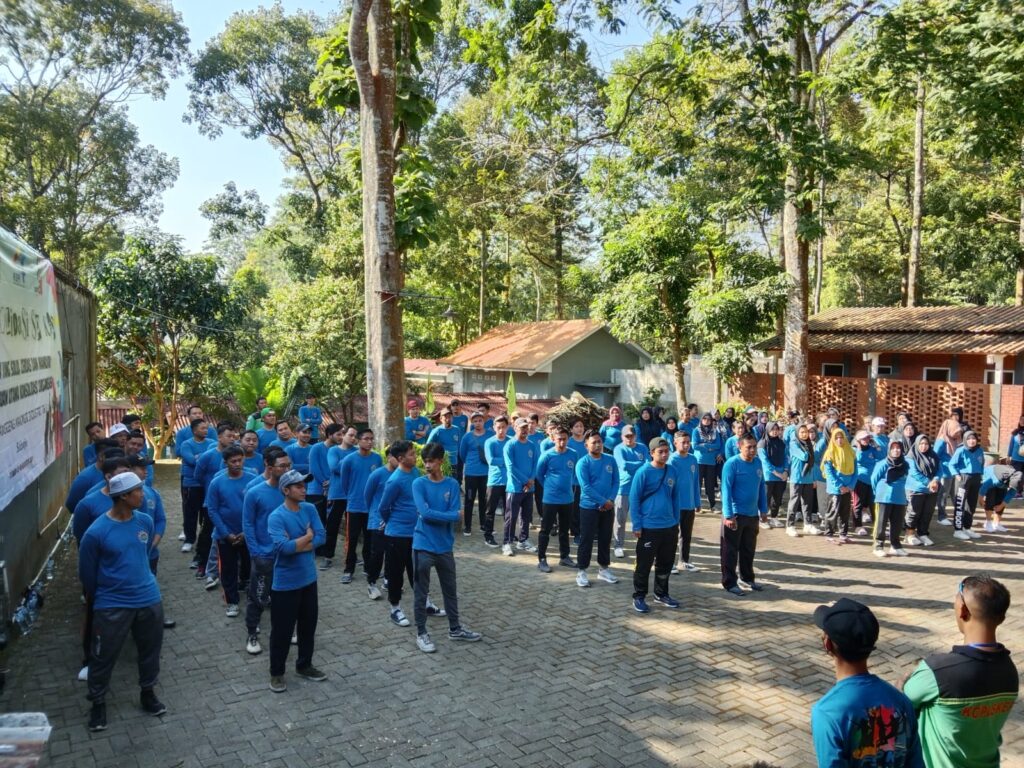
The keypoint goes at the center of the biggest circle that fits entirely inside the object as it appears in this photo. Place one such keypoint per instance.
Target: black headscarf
(707, 432)
(807, 446)
(647, 429)
(897, 468)
(927, 461)
(908, 442)
(774, 447)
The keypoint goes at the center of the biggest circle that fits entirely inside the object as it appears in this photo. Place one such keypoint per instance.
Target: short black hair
(990, 599)
(746, 438)
(271, 454)
(92, 424)
(231, 451)
(363, 432)
(194, 407)
(136, 433)
(195, 423)
(249, 432)
(561, 431)
(399, 448)
(105, 445)
(331, 429)
(592, 433)
(225, 426)
(282, 423)
(433, 451)
(503, 419)
(109, 465)
(130, 418)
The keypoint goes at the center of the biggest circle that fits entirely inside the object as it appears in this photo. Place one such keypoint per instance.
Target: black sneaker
(489, 540)
(98, 717)
(567, 562)
(170, 623)
(150, 703)
(311, 673)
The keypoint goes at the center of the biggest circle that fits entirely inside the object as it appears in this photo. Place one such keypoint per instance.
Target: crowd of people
(261, 504)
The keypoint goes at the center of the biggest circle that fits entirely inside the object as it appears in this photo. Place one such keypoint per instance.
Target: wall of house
(700, 383)
(481, 380)
(590, 360)
(969, 369)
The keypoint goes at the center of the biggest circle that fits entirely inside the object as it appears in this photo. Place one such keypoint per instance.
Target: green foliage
(248, 386)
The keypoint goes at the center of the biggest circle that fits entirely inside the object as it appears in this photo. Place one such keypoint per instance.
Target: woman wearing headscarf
(761, 426)
(947, 440)
(775, 462)
(820, 442)
(710, 452)
(611, 429)
(868, 455)
(909, 434)
(926, 473)
(729, 417)
(967, 463)
(647, 426)
(889, 481)
(671, 427)
(1015, 450)
(839, 466)
(802, 498)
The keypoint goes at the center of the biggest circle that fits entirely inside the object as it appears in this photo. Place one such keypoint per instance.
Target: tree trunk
(780, 320)
(538, 295)
(797, 253)
(914, 257)
(819, 250)
(678, 353)
(372, 47)
(1018, 296)
(483, 282)
(559, 284)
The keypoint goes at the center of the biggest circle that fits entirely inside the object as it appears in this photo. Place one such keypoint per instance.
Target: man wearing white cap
(521, 466)
(113, 565)
(120, 433)
(878, 433)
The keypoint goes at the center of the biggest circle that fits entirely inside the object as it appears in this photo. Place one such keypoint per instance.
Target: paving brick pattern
(564, 676)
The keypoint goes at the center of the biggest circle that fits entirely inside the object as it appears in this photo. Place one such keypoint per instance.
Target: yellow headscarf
(840, 457)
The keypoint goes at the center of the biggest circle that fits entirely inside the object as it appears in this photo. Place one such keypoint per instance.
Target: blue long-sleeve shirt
(886, 492)
(254, 464)
(611, 434)
(412, 426)
(654, 497)
(224, 501)
(372, 494)
(190, 451)
(867, 458)
(180, 437)
(294, 570)
(260, 500)
(968, 462)
(520, 464)
(449, 438)
(471, 454)
(707, 450)
(494, 450)
(437, 506)
(990, 480)
(769, 469)
(941, 449)
(335, 456)
(732, 448)
(819, 451)
(312, 416)
(319, 467)
(153, 505)
(743, 489)
(113, 563)
(80, 486)
(397, 504)
(207, 465)
(89, 454)
(556, 472)
(355, 470)
(88, 510)
(461, 422)
(300, 462)
(628, 461)
(266, 437)
(598, 480)
(798, 463)
(1013, 449)
(917, 481)
(835, 480)
(689, 479)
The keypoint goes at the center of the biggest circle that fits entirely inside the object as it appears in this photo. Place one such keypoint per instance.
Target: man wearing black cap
(862, 721)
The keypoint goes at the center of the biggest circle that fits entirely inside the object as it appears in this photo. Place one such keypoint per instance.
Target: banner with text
(31, 379)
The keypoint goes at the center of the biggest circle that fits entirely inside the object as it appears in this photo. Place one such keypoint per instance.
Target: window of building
(885, 370)
(990, 376)
(936, 374)
(833, 369)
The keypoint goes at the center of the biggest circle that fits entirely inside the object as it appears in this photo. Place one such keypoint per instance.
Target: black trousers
(288, 608)
(375, 562)
(205, 541)
(837, 516)
(335, 513)
(686, 518)
(397, 564)
(320, 502)
(739, 547)
(657, 547)
(775, 489)
(355, 528)
(599, 523)
(110, 628)
(235, 566)
(192, 502)
(708, 477)
(562, 513)
(576, 492)
(920, 511)
(495, 501)
(890, 516)
(966, 502)
(863, 501)
(803, 502)
(476, 491)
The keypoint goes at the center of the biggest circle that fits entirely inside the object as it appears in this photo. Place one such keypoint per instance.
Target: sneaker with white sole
(326, 563)
(879, 552)
(973, 534)
(83, 674)
(581, 579)
(526, 546)
(990, 527)
(945, 521)
(899, 552)
(507, 551)
(792, 531)
(398, 618)
(346, 578)
(252, 645)
(962, 535)
(675, 569)
(373, 591)
(620, 552)
(425, 644)
(463, 634)
(811, 530)
(1001, 528)
(764, 525)
(277, 684)
(605, 574)
(232, 611)
(862, 531)
(691, 568)
(186, 547)
(211, 583)
(181, 536)
(927, 542)
(913, 541)
(433, 610)
(490, 542)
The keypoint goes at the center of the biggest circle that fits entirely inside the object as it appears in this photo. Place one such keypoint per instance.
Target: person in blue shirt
(790, 431)
(689, 497)
(437, 508)
(182, 435)
(654, 502)
(774, 456)
(250, 443)
(342, 444)
(1000, 483)
(1015, 448)
(261, 498)
(113, 565)
(474, 462)
(224, 499)
(611, 429)
(839, 466)
(97, 501)
(878, 433)
(889, 483)
(868, 453)
(284, 435)
(732, 445)
(598, 476)
(355, 470)
(691, 418)
(629, 455)
(373, 492)
(311, 415)
(576, 443)
(485, 409)
(207, 466)
(448, 435)
(803, 499)
(299, 452)
(416, 426)
(709, 451)
(459, 419)
(94, 433)
(90, 475)
(967, 464)
(295, 532)
(744, 501)
(671, 427)
(190, 451)
(267, 434)
(520, 455)
(399, 514)
(212, 460)
(862, 722)
(316, 494)
(556, 470)
(152, 505)
(497, 476)
(136, 446)
(923, 480)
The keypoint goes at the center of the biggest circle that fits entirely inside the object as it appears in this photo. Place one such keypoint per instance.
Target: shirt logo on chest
(144, 537)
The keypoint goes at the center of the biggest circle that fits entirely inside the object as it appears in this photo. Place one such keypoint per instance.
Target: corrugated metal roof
(423, 366)
(524, 346)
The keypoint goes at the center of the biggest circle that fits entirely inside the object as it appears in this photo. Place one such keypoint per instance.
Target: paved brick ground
(564, 676)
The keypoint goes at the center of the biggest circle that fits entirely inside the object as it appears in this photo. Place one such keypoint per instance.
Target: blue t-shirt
(494, 450)
(266, 437)
(294, 570)
(254, 463)
(300, 462)
(190, 451)
(355, 470)
(397, 504)
(557, 473)
(743, 489)
(449, 438)
(968, 462)
(707, 448)
(520, 464)
(598, 480)
(611, 434)
(461, 422)
(654, 499)
(419, 424)
(471, 454)
(284, 445)
(113, 562)
(863, 722)
(208, 465)
(437, 504)
(260, 500)
(224, 500)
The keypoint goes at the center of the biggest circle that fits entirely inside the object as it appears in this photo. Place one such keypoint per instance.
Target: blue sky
(207, 164)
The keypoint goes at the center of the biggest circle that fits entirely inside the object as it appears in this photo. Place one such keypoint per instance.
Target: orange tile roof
(421, 365)
(522, 346)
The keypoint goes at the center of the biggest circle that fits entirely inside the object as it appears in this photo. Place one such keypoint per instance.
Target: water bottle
(33, 605)
(21, 620)
(49, 569)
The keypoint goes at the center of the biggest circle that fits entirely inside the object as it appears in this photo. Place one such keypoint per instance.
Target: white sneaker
(776, 523)
(232, 611)
(83, 674)
(945, 521)
(581, 579)
(962, 535)
(373, 591)
(990, 527)
(425, 644)
(526, 546)
(620, 552)
(792, 531)
(927, 542)
(913, 541)
(186, 547)
(675, 569)
(606, 575)
(899, 552)
(1002, 528)
(295, 637)
(879, 552)
(181, 536)
(399, 618)
(974, 534)
(252, 645)
(506, 549)
(691, 567)
(811, 530)
(764, 525)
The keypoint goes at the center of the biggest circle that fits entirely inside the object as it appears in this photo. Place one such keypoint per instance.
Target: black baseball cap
(140, 461)
(851, 626)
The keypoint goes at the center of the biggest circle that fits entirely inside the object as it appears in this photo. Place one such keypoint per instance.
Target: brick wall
(1011, 408)
(929, 403)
